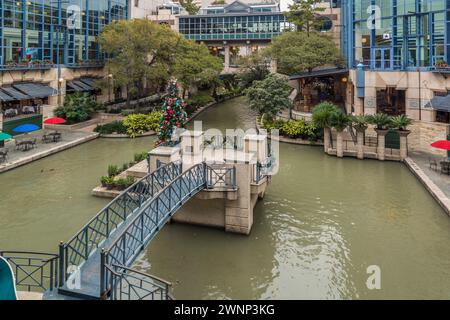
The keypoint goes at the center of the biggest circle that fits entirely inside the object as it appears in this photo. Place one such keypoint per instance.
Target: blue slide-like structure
(7, 282)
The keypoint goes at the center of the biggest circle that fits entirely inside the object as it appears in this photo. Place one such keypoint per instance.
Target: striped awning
(5, 97)
(16, 94)
(35, 90)
(83, 85)
(74, 87)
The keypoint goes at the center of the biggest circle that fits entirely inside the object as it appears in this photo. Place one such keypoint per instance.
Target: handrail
(37, 271)
(98, 229)
(147, 285)
(149, 219)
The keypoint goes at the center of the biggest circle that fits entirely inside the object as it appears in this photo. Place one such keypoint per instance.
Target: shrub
(77, 107)
(199, 100)
(110, 128)
(339, 120)
(322, 113)
(137, 124)
(113, 170)
(138, 157)
(294, 128)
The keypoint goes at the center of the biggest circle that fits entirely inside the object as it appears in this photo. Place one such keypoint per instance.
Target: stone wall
(425, 133)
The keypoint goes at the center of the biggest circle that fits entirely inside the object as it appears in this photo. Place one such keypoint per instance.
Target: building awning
(5, 97)
(35, 90)
(440, 103)
(318, 73)
(83, 85)
(74, 87)
(17, 95)
(89, 81)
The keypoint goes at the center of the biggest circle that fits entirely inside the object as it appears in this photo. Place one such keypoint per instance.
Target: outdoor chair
(3, 155)
(18, 144)
(433, 164)
(445, 167)
(34, 143)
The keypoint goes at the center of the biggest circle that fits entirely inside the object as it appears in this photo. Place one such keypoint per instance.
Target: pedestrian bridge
(95, 263)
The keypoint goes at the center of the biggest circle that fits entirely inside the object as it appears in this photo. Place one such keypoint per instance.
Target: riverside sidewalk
(17, 158)
(436, 183)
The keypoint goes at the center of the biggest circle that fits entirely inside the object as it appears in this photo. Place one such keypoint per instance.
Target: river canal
(322, 223)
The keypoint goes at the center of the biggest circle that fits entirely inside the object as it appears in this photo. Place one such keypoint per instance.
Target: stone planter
(339, 145)
(381, 133)
(360, 144)
(403, 143)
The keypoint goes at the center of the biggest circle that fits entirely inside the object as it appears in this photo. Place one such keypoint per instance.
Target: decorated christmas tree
(174, 116)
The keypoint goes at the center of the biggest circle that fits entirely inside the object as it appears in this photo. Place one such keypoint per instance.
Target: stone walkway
(18, 158)
(441, 180)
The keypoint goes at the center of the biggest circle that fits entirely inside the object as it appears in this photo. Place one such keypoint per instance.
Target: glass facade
(397, 34)
(233, 26)
(55, 31)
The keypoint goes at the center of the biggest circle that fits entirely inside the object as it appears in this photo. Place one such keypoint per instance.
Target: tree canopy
(303, 13)
(139, 50)
(142, 51)
(299, 52)
(190, 6)
(253, 67)
(269, 96)
(194, 65)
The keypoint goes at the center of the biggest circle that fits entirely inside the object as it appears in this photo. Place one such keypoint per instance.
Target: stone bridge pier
(238, 183)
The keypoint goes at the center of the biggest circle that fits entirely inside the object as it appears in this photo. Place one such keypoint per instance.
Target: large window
(406, 34)
(233, 27)
(38, 30)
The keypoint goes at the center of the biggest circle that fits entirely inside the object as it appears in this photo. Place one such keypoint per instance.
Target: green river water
(322, 223)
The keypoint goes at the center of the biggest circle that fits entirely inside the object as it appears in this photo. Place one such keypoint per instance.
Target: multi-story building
(235, 29)
(401, 49)
(49, 48)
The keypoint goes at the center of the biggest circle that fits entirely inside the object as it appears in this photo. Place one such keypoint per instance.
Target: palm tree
(340, 121)
(321, 116)
(360, 123)
(400, 123)
(381, 120)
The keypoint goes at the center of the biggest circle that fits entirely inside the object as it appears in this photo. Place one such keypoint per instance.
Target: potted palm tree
(321, 116)
(382, 122)
(340, 121)
(401, 123)
(360, 123)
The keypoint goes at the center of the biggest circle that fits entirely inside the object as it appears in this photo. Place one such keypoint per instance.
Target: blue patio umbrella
(25, 128)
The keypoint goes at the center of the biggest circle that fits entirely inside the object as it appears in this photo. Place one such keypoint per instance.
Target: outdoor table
(25, 145)
(56, 136)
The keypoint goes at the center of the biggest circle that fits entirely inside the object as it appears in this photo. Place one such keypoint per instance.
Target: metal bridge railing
(33, 271)
(219, 176)
(155, 213)
(148, 221)
(128, 284)
(78, 249)
(262, 169)
(235, 142)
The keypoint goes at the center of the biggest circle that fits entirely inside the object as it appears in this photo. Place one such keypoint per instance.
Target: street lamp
(110, 78)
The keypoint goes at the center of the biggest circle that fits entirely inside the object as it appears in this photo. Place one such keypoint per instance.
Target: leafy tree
(77, 107)
(218, 2)
(190, 6)
(269, 96)
(194, 65)
(297, 52)
(253, 68)
(139, 50)
(304, 14)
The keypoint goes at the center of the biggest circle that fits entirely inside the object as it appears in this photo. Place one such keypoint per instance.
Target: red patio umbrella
(441, 144)
(55, 120)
